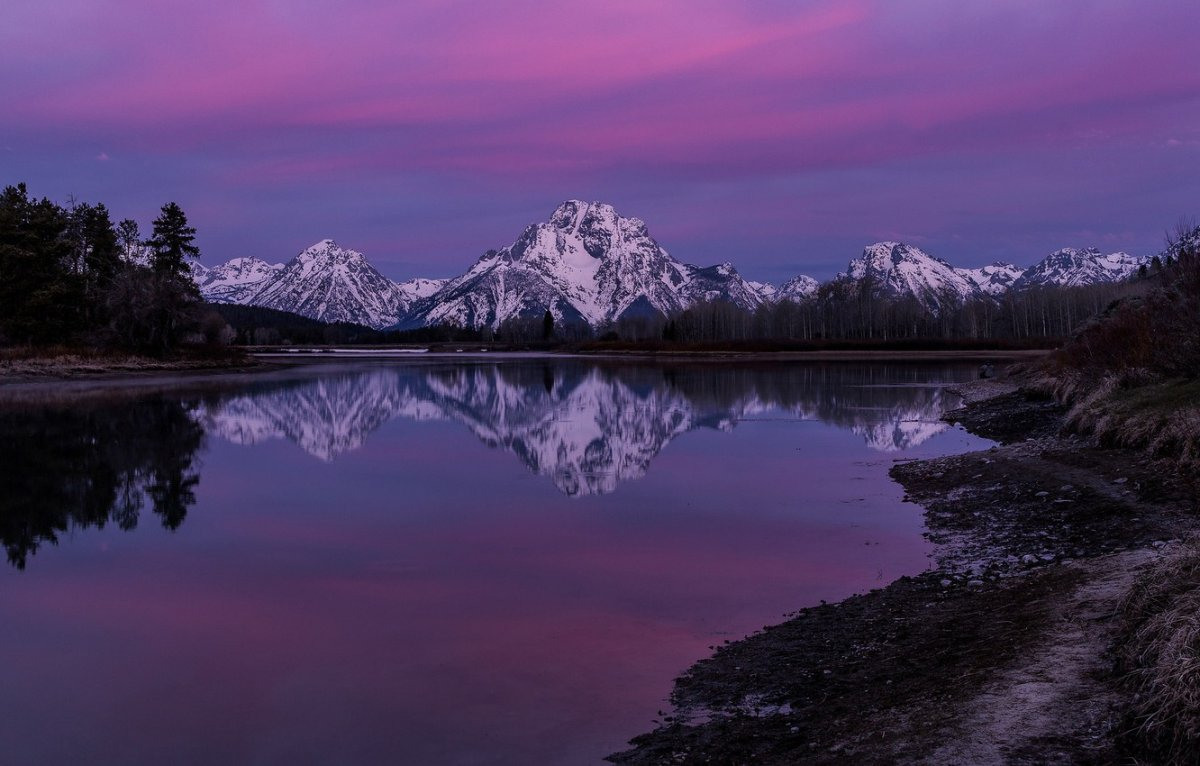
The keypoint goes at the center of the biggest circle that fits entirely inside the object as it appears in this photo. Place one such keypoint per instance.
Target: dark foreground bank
(49, 365)
(1018, 647)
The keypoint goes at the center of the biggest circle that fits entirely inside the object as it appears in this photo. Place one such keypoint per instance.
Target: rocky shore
(1002, 653)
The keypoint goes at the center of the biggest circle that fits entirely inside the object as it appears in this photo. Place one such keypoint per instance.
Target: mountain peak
(1073, 267)
(327, 248)
(589, 263)
(994, 279)
(897, 270)
(572, 211)
(333, 284)
(237, 280)
(799, 288)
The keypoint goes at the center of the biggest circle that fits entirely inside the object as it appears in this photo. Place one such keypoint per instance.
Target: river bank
(51, 368)
(24, 367)
(1000, 653)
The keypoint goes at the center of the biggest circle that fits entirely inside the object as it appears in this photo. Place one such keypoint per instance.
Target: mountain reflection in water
(586, 427)
(395, 591)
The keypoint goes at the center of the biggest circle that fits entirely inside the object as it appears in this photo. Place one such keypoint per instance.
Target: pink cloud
(546, 100)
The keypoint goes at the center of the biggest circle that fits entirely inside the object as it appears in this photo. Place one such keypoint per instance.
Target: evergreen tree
(172, 242)
(547, 325)
(103, 256)
(154, 310)
(40, 296)
(96, 256)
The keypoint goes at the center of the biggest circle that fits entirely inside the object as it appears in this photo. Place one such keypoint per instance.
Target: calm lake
(431, 561)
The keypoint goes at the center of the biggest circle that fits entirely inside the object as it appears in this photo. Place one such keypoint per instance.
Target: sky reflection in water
(432, 563)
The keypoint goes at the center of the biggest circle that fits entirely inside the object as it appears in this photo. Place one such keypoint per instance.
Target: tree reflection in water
(585, 426)
(79, 465)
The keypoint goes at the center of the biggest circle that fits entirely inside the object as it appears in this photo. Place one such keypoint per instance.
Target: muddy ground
(72, 367)
(1001, 654)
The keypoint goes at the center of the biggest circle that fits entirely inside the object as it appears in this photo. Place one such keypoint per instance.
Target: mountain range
(588, 263)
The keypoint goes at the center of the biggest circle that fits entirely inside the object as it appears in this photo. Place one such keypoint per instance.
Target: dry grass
(1160, 652)
(1132, 373)
(22, 363)
(1133, 407)
(1162, 418)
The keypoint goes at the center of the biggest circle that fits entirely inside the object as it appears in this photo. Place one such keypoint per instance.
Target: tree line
(69, 275)
(847, 311)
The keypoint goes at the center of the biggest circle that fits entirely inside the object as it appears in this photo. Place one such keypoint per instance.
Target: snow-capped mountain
(325, 282)
(334, 284)
(797, 289)
(590, 264)
(1069, 267)
(236, 280)
(995, 279)
(896, 270)
(586, 263)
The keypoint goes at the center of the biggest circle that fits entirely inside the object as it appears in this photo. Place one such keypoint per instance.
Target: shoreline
(866, 355)
(79, 368)
(63, 377)
(999, 654)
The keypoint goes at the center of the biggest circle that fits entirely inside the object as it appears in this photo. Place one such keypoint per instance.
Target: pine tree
(103, 255)
(40, 296)
(173, 303)
(547, 325)
(172, 242)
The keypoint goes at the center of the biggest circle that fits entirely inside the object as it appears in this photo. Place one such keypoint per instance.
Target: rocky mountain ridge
(588, 263)
(585, 428)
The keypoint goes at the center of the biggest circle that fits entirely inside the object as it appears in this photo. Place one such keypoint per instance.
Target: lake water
(431, 561)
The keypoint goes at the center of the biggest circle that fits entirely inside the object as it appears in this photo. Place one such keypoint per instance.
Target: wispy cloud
(704, 102)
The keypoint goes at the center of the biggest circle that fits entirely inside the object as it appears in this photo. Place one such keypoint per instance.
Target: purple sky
(776, 134)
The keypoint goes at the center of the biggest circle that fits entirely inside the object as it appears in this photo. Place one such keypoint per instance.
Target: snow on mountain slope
(995, 279)
(334, 284)
(766, 291)
(416, 289)
(723, 282)
(897, 270)
(586, 263)
(236, 280)
(1069, 267)
(797, 289)
(1185, 240)
(324, 282)
(199, 272)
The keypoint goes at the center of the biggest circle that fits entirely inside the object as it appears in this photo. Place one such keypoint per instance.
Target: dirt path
(1058, 703)
(1000, 655)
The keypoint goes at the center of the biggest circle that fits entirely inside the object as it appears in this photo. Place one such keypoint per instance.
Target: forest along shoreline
(1028, 642)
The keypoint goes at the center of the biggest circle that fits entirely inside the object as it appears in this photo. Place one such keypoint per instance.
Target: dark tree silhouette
(172, 242)
(40, 296)
(71, 467)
